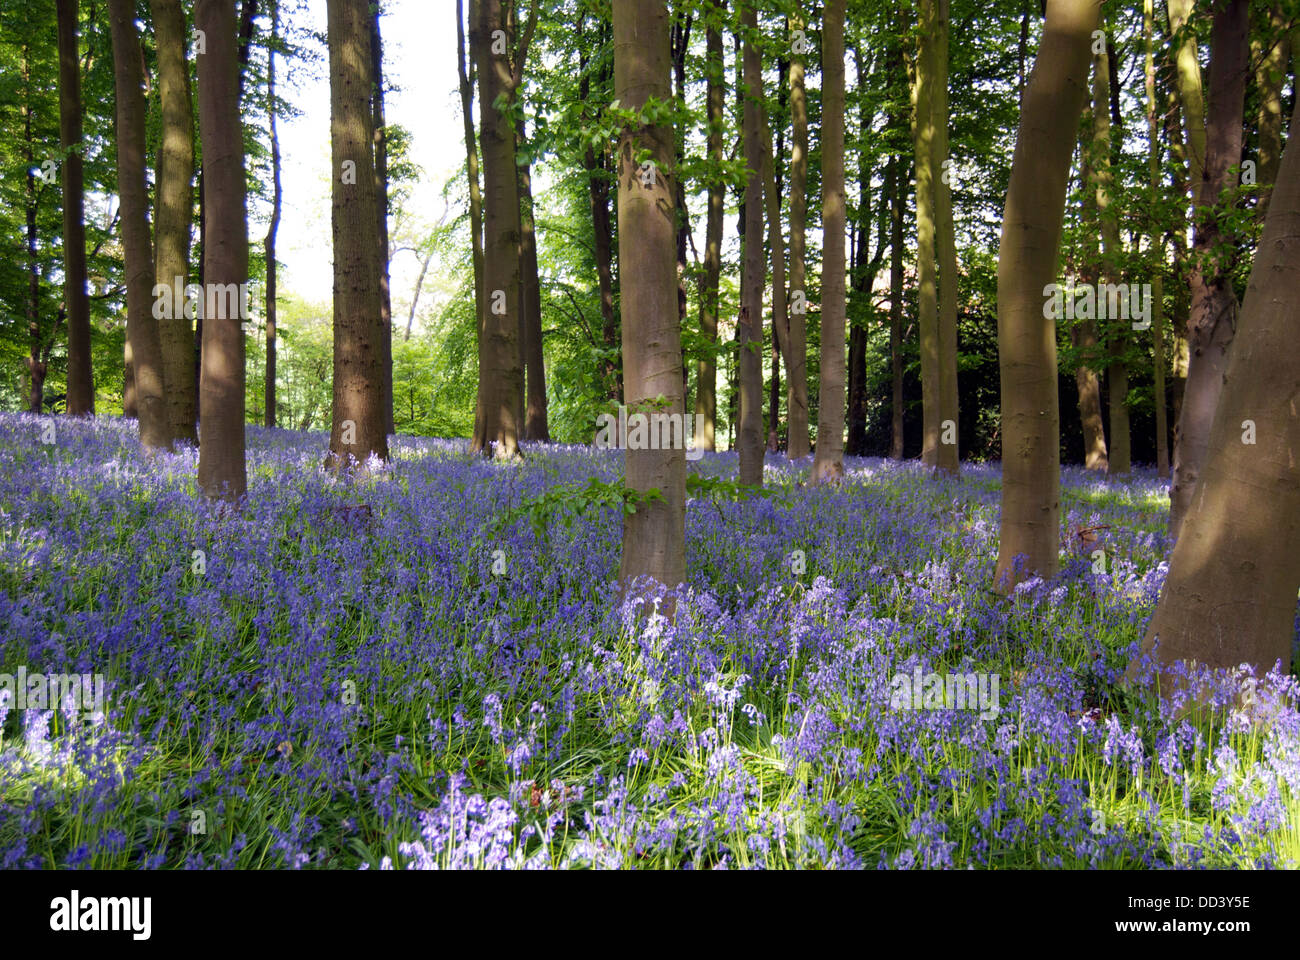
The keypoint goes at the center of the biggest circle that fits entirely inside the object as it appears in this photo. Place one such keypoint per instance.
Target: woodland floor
(430, 668)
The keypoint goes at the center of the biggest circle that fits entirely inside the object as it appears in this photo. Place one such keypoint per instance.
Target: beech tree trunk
(36, 364)
(501, 374)
(273, 229)
(706, 374)
(1230, 596)
(923, 132)
(380, 135)
(81, 387)
(1118, 450)
(536, 425)
(654, 537)
(749, 323)
(1214, 304)
(828, 465)
(144, 349)
(1027, 263)
(776, 248)
(1270, 54)
(225, 253)
(465, 70)
(1191, 143)
(175, 206)
(898, 199)
(1156, 244)
(948, 457)
(1083, 331)
(359, 427)
(798, 443)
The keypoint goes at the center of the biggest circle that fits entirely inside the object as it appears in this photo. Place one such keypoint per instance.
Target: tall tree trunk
(1191, 101)
(1179, 353)
(679, 45)
(828, 465)
(175, 212)
(596, 167)
(897, 201)
(380, 134)
(856, 441)
(1187, 65)
(776, 246)
(36, 368)
(923, 130)
(1083, 331)
(798, 444)
(706, 374)
(274, 227)
(1230, 596)
(654, 537)
(1156, 243)
(749, 324)
(1214, 304)
(141, 328)
(1027, 263)
(81, 387)
(536, 425)
(501, 375)
(358, 427)
(1119, 457)
(465, 70)
(225, 253)
(948, 456)
(1270, 54)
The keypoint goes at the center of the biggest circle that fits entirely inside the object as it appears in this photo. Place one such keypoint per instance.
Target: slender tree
(948, 455)
(1156, 242)
(536, 425)
(1103, 189)
(501, 374)
(923, 132)
(706, 378)
(379, 127)
(1214, 304)
(596, 165)
(225, 253)
(828, 465)
(776, 248)
(897, 201)
(273, 228)
(145, 352)
(1270, 54)
(798, 444)
(1083, 330)
(654, 536)
(1230, 596)
(1027, 262)
(465, 71)
(358, 428)
(749, 324)
(76, 302)
(175, 214)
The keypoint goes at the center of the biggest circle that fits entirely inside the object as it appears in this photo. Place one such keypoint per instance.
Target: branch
(521, 54)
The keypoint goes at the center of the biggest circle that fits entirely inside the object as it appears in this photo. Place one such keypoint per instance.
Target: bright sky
(419, 58)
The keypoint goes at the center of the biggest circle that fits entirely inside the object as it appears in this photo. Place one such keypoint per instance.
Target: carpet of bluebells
(405, 672)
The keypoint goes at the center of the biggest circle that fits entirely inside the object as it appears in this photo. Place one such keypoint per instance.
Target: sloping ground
(407, 672)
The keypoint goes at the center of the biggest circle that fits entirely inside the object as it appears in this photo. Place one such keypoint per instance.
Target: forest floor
(431, 668)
